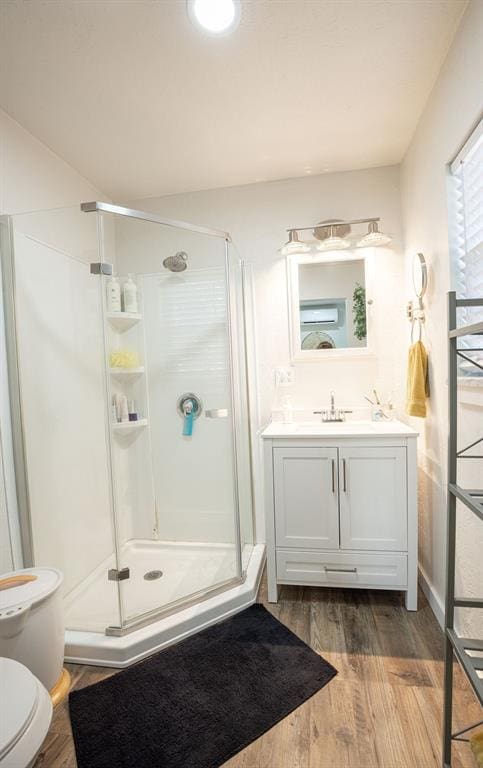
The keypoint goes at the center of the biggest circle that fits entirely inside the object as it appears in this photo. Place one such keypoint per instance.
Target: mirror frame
(419, 265)
(321, 355)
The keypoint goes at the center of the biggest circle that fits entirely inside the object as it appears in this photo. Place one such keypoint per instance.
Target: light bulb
(333, 242)
(215, 16)
(294, 245)
(373, 237)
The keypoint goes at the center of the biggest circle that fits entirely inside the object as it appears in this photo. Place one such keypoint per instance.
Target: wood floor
(383, 709)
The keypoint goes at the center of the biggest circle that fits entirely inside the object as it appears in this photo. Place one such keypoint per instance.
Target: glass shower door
(172, 420)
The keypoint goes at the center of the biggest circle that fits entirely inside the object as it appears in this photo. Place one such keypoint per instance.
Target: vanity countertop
(277, 429)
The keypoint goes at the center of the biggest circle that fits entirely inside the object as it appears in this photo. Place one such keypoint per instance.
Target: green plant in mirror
(359, 312)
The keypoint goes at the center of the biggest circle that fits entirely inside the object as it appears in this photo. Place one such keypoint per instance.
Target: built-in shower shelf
(126, 372)
(128, 427)
(122, 321)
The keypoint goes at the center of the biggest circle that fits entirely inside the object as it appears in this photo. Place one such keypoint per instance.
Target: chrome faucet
(334, 414)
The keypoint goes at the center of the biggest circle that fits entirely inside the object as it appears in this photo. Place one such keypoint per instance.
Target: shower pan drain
(153, 575)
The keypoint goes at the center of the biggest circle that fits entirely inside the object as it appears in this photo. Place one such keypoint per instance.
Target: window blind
(466, 236)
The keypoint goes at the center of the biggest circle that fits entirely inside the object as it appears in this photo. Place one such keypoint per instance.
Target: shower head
(176, 263)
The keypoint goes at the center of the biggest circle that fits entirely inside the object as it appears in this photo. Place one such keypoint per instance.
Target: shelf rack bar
(469, 303)
(473, 499)
(457, 736)
(469, 359)
(468, 602)
(455, 646)
(475, 329)
(450, 533)
(470, 664)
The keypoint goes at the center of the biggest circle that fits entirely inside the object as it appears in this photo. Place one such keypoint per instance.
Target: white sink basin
(335, 429)
(359, 427)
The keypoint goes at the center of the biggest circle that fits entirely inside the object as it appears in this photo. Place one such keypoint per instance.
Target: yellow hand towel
(417, 388)
(476, 743)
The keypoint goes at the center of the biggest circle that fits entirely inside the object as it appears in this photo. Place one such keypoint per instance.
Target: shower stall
(131, 428)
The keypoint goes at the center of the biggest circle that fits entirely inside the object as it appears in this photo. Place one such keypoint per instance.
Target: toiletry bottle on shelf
(113, 290)
(287, 410)
(133, 414)
(124, 409)
(117, 407)
(130, 296)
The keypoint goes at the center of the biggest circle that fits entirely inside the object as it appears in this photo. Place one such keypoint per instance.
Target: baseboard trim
(435, 602)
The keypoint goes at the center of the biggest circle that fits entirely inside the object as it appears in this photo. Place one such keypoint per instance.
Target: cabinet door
(373, 498)
(306, 497)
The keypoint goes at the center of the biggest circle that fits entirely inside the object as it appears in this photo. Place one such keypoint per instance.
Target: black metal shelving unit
(455, 646)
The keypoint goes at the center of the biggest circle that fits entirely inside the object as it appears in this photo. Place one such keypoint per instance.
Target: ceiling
(143, 104)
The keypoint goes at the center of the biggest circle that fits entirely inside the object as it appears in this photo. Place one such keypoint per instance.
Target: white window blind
(467, 236)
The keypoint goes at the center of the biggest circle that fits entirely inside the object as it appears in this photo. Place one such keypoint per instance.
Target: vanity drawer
(344, 568)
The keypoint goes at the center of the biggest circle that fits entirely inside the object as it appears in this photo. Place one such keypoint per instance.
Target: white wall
(31, 178)
(257, 216)
(452, 110)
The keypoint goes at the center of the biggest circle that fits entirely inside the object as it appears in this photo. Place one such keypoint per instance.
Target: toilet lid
(27, 586)
(21, 690)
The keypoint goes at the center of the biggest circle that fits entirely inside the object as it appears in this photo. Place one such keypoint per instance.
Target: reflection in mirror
(332, 305)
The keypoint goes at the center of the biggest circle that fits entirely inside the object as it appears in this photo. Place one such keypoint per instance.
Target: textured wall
(257, 216)
(32, 177)
(452, 110)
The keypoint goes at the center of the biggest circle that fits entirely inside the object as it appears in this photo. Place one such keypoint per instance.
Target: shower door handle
(217, 413)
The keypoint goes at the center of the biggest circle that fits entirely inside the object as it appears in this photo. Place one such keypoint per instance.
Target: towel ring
(414, 321)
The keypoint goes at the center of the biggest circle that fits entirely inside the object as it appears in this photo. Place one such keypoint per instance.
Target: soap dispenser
(130, 296)
(113, 291)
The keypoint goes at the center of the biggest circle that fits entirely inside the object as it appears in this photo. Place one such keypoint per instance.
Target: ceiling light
(294, 245)
(373, 237)
(333, 242)
(214, 16)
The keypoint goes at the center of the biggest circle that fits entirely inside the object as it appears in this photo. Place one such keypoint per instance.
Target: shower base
(186, 568)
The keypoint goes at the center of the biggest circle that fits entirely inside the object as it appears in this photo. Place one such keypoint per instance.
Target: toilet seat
(25, 715)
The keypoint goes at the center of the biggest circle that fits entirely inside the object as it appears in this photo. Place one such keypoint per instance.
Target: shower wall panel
(186, 351)
(63, 402)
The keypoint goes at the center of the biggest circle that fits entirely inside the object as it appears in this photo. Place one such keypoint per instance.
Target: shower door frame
(146, 618)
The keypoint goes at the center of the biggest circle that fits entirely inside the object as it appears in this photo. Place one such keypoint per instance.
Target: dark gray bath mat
(199, 702)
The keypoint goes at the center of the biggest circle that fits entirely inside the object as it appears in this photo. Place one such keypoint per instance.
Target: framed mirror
(328, 306)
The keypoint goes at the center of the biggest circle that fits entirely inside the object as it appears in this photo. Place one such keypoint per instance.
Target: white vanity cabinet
(305, 497)
(341, 507)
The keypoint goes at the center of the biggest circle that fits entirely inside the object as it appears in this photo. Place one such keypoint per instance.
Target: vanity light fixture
(334, 235)
(217, 17)
(333, 242)
(373, 237)
(294, 245)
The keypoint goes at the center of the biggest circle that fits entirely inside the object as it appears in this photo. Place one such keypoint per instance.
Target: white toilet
(25, 715)
(32, 625)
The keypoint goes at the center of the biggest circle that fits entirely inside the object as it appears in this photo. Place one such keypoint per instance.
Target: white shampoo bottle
(113, 290)
(130, 296)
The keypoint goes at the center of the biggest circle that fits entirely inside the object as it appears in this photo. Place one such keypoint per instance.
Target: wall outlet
(285, 377)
